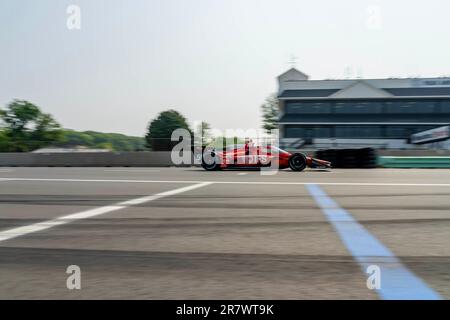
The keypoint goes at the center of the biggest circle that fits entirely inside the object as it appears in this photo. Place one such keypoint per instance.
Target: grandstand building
(382, 113)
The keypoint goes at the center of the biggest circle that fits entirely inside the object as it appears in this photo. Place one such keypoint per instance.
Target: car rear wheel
(297, 162)
(209, 161)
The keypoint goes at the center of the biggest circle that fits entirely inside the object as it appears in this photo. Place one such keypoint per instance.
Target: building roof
(294, 84)
(316, 93)
(408, 92)
(390, 92)
(293, 75)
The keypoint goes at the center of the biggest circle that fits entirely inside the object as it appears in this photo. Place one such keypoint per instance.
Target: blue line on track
(397, 281)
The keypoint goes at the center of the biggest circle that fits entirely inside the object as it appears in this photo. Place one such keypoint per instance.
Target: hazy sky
(213, 60)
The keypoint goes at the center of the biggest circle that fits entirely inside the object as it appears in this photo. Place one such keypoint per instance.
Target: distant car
(246, 156)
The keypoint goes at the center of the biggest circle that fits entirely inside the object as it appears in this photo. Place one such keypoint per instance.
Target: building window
(397, 132)
(294, 132)
(404, 131)
(358, 107)
(308, 132)
(308, 107)
(321, 132)
(445, 106)
(420, 128)
(419, 107)
(358, 132)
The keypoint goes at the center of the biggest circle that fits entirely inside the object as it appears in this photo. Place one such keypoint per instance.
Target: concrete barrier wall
(87, 159)
(163, 159)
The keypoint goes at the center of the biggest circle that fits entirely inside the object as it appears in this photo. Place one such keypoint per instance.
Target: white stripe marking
(20, 231)
(236, 182)
(242, 173)
(132, 170)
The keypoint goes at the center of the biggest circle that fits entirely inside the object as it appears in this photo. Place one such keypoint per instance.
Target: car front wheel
(297, 162)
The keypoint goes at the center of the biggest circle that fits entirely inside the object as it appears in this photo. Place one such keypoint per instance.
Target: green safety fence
(414, 162)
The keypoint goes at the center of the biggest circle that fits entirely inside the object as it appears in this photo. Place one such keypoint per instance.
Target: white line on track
(24, 230)
(132, 170)
(401, 184)
(242, 173)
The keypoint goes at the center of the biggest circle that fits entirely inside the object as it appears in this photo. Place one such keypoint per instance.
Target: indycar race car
(245, 156)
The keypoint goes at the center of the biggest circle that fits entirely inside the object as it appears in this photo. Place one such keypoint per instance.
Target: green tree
(223, 142)
(203, 133)
(4, 141)
(160, 130)
(100, 140)
(71, 138)
(105, 145)
(269, 111)
(26, 127)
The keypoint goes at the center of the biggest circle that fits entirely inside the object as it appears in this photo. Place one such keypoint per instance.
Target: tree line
(24, 127)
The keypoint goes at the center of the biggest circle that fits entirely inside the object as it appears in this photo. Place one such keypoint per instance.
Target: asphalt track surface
(183, 233)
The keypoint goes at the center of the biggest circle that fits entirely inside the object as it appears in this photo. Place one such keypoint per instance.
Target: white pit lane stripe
(397, 281)
(132, 170)
(21, 231)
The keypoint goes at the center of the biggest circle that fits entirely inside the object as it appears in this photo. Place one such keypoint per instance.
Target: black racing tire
(209, 161)
(297, 162)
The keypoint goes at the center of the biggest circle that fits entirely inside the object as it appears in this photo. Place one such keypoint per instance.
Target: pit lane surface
(234, 235)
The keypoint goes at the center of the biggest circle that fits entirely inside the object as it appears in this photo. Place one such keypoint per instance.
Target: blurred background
(101, 76)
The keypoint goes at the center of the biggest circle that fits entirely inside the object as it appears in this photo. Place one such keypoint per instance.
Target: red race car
(248, 156)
